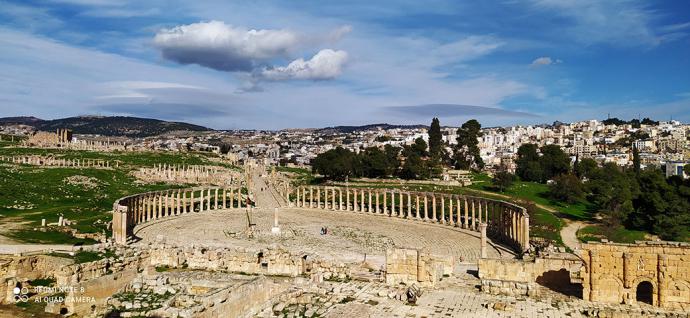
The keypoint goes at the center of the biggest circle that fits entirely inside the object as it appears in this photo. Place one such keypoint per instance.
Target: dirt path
(569, 233)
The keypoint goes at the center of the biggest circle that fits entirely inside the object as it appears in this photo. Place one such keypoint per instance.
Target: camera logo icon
(21, 294)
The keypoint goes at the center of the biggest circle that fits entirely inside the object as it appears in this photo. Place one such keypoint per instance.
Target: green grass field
(85, 195)
(617, 234)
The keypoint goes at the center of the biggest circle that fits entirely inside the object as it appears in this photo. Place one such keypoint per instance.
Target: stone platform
(350, 236)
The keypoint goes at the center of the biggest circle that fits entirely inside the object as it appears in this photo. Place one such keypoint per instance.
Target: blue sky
(280, 64)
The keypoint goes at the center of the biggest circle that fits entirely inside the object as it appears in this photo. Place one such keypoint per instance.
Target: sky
(289, 64)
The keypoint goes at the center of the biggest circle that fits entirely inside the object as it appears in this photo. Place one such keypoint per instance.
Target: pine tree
(435, 141)
(636, 161)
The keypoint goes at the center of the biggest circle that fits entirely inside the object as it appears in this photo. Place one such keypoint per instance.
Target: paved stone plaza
(350, 236)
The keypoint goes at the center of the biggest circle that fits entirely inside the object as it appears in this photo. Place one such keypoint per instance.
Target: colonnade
(144, 207)
(190, 174)
(505, 221)
(59, 162)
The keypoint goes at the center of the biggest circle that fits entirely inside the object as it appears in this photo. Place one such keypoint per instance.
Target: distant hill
(350, 129)
(23, 120)
(107, 126)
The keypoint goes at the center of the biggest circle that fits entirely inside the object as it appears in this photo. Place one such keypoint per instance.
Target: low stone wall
(506, 222)
(412, 266)
(522, 277)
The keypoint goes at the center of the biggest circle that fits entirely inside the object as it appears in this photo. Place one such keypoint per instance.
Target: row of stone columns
(195, 174)
(145, 207)
(58, 162)
(504, 220)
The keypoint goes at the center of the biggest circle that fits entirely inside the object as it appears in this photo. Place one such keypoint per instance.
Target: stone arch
(644, 292)
(559, 281)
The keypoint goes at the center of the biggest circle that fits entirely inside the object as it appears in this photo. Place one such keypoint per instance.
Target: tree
(335, 164)
(414, 168)
(435, 141)
(502, 180)
(467, 150)
(566, 188)
(553, 162)
(374, 163)
(636, 161)
(528, 167)
(419, 148)
(586, 168)
(612, 193)
(686, 169)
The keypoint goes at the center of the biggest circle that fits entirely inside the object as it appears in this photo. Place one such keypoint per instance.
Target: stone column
(377, 202)
(482, 228)
(479, 211)
(417, 211)
(369, 202)
(525, 233)
(178, 206)
(347, 199)
(333, 199)
(185, 203)
(304, 197)
(362, 207)
(216, 199)
(401, 206)
(393, 210)
(318, 197)
(298, 196)
(354, 200)
(311, 197)
(474, 220)
(426, 208)
(443, 209)
(451, 221)
(409, 206)
(340, 199)
(433, 208)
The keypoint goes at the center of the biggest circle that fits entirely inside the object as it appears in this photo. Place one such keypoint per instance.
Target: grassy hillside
(29, 194)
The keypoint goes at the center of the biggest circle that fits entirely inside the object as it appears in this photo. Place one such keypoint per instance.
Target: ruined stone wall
(520, 277)
(506, 222)
(14, 269)
(614, 272)
(412, 266)
(267, 262)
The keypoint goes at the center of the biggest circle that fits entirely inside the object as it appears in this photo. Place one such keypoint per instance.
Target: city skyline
(269, 66)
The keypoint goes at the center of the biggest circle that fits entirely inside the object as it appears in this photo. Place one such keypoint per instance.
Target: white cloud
(617, 22)
(545, 60)
(327, 64)
(469, 48)
(224, 47)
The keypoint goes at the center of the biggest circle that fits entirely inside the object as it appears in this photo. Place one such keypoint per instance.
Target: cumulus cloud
(327, 64)
(224, 47)
(545, 60)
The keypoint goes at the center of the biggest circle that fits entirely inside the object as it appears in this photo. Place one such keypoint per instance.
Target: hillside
(350, 129)
(107, 126)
